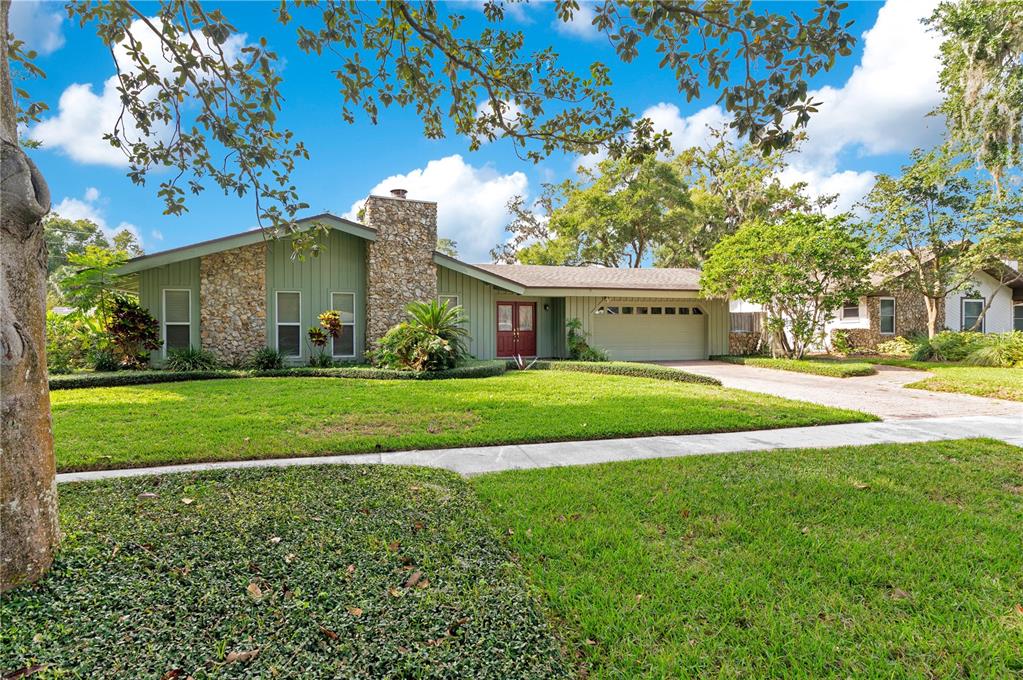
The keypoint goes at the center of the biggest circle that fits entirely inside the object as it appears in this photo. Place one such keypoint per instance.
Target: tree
(447, 246)
(206, 114)
(933, 225)
(65, 238)
(616, 215)
(731, 183)
(982, 79)
(800, 268)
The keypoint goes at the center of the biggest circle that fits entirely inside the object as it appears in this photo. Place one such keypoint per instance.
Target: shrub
(896, 347)
(133, 331)
(950, 346)
(320, 360)
(476, 369)
(410, 347)
(266, 359)
(1000, 349)
(578, 347)
(317, 336)
(191, 359)
(105, 360)
(840, 342)
(625, 368)
(70, 342)
(447, 323)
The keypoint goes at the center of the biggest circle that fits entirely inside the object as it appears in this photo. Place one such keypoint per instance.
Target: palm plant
(442, 320)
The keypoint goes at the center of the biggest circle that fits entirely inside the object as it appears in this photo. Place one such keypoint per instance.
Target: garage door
(646, 332)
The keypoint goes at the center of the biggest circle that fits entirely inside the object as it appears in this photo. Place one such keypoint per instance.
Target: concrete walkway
(882, 395)
(479, 460)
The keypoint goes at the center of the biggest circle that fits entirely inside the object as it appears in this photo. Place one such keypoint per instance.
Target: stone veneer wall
(910, 319)
(232, 302)
(400, 266)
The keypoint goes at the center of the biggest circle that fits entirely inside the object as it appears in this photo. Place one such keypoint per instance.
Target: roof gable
(239, 240)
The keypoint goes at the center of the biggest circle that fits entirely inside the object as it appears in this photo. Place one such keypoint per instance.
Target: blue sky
(874, 109)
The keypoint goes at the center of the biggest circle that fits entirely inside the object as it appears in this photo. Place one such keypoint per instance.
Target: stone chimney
(400, 266)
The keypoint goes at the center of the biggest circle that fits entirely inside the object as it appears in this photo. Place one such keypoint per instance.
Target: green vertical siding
(340, 268)
(479, 300)
(152, 283)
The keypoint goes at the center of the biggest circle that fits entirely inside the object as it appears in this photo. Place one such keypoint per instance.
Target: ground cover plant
(338, 572)
(881, 561)
(980, 381)
(828, 367)
(279, 417)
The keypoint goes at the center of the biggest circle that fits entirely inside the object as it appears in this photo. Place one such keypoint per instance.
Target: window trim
(962, 313)
(278, 323)
(354, 323)
(163, 317)
(881, 331)
(458, 299)
(1015, 306)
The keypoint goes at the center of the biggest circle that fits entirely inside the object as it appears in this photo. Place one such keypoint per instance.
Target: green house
(237, 294)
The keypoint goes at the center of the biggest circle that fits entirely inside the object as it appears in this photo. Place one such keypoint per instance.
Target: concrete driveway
(882, 394)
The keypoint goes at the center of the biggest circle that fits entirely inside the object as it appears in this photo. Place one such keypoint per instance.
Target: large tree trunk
(29, 532)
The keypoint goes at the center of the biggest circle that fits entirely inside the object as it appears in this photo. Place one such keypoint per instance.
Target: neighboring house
(889, 312)
(237, 294)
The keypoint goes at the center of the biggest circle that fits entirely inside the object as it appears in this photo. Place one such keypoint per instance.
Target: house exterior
(237, 294)
(886, 314)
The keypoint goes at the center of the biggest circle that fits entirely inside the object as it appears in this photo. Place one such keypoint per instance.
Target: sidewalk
(480, 460)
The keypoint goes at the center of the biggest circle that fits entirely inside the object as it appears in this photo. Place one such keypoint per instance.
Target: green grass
(279, 417)
(980, 381)
(882, 561)
(144, 587)
(828, 367)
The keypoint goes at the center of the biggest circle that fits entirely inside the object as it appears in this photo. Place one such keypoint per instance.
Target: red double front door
(516, 329)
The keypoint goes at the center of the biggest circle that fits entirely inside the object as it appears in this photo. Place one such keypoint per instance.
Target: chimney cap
(399, 193)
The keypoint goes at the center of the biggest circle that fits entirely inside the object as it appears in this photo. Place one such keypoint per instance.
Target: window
(655, 310)
(177, 319)
(886, 316)
(697, 310)
(641, 310)
(452, 300)
(626, 310)
(851, 309)
(745, 322)
(1017, 317)
(611, 310)
(289, 323)
(669, 310)
(683, 310)
(344, 344)
(972, 315)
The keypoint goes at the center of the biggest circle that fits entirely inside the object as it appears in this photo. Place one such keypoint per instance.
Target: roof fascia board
(477, 273)
(245, 238)
(613, 292)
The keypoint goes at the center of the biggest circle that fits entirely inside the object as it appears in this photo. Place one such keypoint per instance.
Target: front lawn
(882, 561)
(278, 417)
(980, 381)
(826, 367)
(307, 572)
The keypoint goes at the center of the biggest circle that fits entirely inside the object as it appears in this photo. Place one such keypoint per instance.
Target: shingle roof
(548, 276)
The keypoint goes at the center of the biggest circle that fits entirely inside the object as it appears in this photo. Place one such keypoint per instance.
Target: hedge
(481, 369)
(624, 368)
(826, 367)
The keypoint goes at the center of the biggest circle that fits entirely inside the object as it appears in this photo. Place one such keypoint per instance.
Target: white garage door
(643, 332)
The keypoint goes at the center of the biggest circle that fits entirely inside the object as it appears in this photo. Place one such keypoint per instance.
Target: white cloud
(470, 201)
(850, 185)
(84, 116)
(156, 234)
(883, 106)
(581, 25)
(39, 24)
(90, 208)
